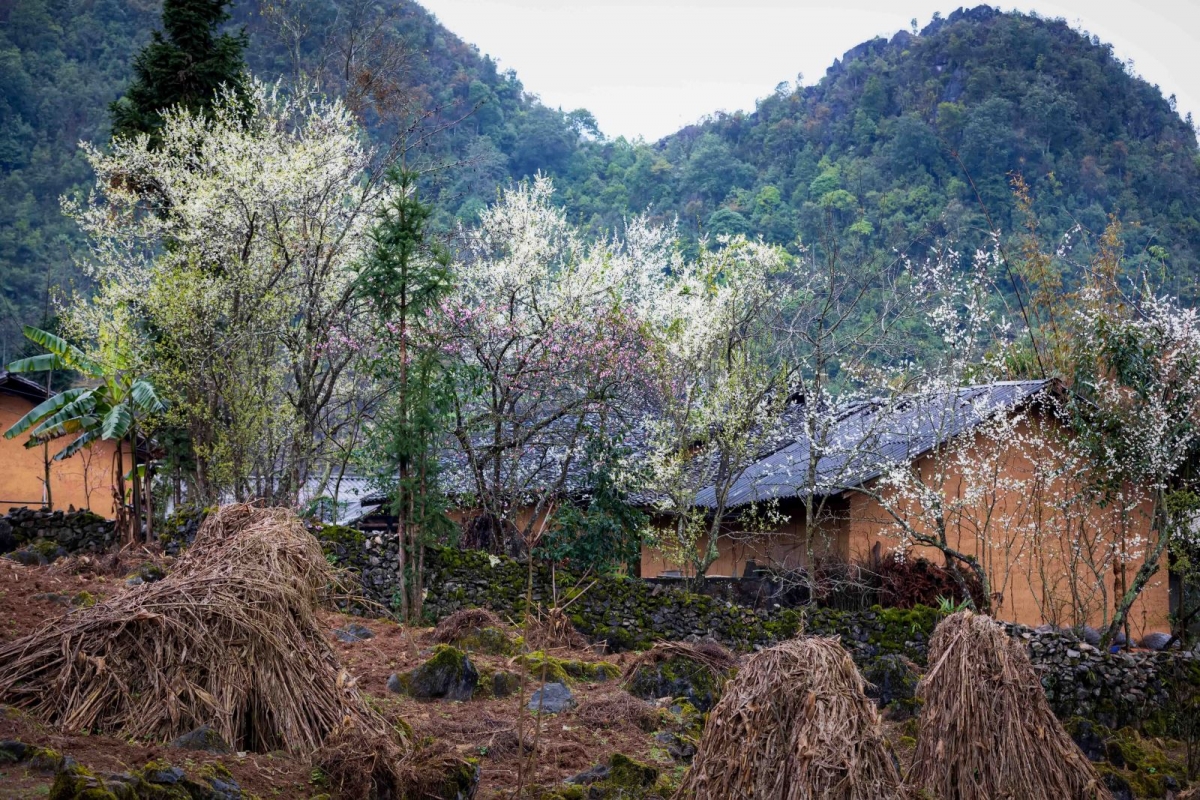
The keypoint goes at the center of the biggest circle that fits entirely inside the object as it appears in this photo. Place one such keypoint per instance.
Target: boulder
(204, 739)
(678, 676)
(354, 632)
(892, 683)
(553, 698)
(448, 675)
(1155, 641)
(505, 684)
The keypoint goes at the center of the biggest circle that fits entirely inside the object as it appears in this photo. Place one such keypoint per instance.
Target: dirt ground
(482, 729)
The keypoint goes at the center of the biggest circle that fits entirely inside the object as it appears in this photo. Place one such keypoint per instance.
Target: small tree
(1138, 382)
(547, 356)
(719, 390)
(403, 279)
(111, 410)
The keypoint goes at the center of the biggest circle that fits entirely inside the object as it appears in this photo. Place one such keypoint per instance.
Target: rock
(589, 776)
(893, 683)
(553, 698)
(1090, 741)
(505, 684)
(27, 557)
(8, 540)
(52, 597)
(394, 684)
(163, 774)
(353, 633)
(448, 675)
(1155, 641)
(204, 739)
(150, 572)
(12, 751)
(136, 580)
(1119, 787)
(678, 676)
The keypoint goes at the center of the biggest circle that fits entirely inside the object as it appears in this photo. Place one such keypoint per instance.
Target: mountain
(919, 136)
(903, 140)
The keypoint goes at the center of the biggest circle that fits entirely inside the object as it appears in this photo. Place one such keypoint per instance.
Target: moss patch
(492, 641)
(678, 676)
(558, 670)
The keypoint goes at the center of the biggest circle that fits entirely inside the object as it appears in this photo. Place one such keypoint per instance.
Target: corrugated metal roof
(863, 438)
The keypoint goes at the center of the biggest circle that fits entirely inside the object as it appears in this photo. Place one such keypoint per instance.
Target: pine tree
(185, 65)
(404, 276)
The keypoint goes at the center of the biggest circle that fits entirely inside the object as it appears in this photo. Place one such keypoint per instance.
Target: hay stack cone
(795, 724)
(986, 731)
(229, 639)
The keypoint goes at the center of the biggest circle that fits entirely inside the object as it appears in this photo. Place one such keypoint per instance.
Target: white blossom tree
(719, 389)
(1138, 383)
(547, 353)
(229, 250)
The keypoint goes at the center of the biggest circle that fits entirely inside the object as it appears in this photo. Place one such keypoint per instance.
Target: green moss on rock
(447, 675)
(489, 640)
(557, 670)
(680, 677)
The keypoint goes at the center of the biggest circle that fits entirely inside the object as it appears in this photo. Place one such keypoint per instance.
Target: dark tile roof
(865, 437)
(20, 386)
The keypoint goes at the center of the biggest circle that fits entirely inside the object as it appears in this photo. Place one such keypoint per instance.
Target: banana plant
(108, 410)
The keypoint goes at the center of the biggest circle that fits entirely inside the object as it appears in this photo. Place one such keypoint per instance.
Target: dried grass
(617, 710)
(230, 638)
(986, 730)
(464, 622)
(711, 655)
(794, 724)
(553, 630)
(118, 562)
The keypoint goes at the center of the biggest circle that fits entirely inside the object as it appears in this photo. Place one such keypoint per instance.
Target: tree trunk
(1147, 571)
(135, 533)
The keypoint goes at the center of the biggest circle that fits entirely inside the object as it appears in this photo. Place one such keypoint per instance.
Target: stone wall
(39, 536)
(1114, 689)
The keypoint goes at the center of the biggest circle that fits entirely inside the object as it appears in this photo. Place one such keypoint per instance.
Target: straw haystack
(986, 730)
(229, 639)
(795, 724)
(463, 623)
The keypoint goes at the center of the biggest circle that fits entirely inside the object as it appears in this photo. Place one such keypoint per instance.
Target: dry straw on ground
(553, 630)
(229, 638)
(711, 655)
(464, 622)
(794, 724)
(617, 710)
(986, 730)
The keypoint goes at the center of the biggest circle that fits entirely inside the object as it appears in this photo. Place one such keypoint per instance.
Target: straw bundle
(710, 655)
(229, 639)
(464, 622)
(986, 730)
(553, 630)
(794, 724)
(617, 710)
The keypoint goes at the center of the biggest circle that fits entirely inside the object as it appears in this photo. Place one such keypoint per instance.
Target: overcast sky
(648, 67)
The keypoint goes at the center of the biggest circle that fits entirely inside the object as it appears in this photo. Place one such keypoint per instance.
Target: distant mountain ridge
(903, 141)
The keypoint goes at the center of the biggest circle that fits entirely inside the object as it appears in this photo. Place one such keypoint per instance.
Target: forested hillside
(903, 140)
(913, 137)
